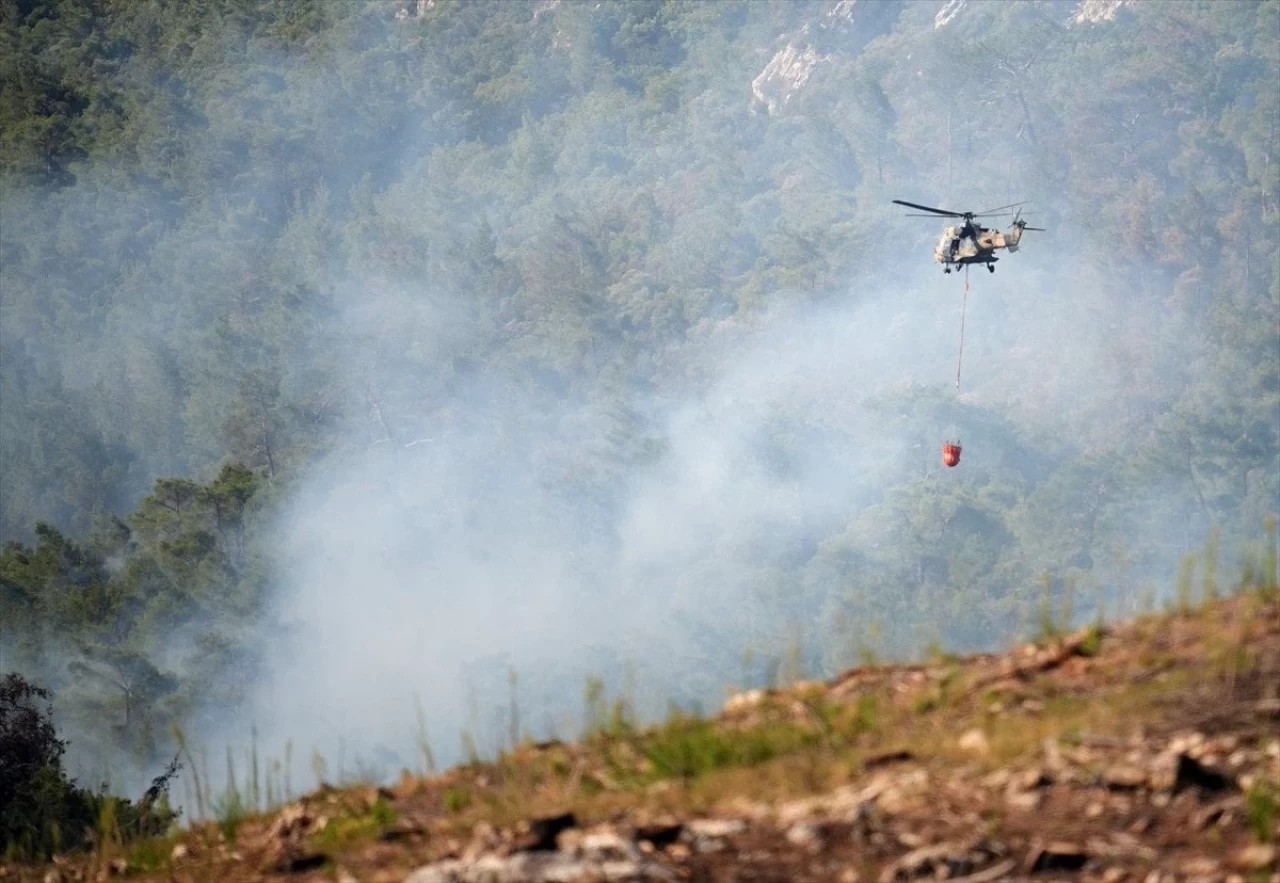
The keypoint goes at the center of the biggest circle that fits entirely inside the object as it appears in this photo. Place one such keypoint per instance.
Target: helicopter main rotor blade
(1039, 229)
(992, 211)
(936, 211)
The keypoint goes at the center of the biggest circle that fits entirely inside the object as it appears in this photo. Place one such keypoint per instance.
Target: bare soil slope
(1145, 752)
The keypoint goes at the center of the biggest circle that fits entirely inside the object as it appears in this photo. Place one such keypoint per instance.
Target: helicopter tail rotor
(1022, 225)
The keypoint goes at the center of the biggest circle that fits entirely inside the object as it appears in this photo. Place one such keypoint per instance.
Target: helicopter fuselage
(969, 242)
(963, 244)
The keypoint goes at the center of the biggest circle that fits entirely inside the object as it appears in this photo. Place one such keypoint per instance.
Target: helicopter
(971, 243)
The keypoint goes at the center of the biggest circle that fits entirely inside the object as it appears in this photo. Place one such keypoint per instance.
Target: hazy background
(573, 339)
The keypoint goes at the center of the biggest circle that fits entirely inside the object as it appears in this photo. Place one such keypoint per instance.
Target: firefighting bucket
(950, 453)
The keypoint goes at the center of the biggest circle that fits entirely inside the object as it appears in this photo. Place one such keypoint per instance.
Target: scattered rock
(1123, 777)
(927, 860)
(1255, 857)
(1216, 812)
(1024, 801)
(995, 872)
(292, 819)
(180, 852)
(1113, 875)
(606, 844)
(1058, 856)
(740, 702)
(951, 860)
(371, 796)
(1121, 846)
(997, 778)
(851, 802)
(1187, 743)
(805, 835)
(911, 840)
(1053, 758)
(679, 851)
(975, 742)
(600, 856)
(1032, 778)
(1200, 867)
(716, 827)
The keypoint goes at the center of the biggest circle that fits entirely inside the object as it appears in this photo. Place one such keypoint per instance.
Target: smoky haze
(578, 340)
(432, 568)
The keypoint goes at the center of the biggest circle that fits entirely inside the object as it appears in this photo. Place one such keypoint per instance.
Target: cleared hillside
(1145, 751)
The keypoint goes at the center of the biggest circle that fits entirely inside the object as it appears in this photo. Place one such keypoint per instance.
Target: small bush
(1260, 809)
(866, 715)
(1092, 643)
(384, 814)
(230, 811)
(457, 799)
(149, 854)
(686, 748)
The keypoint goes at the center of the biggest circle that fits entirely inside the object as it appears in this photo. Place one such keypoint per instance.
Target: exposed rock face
(543, 6)
(414, 9)
(1086, 11)
(782, 77)
(949, 10)
(1096, 11)
(845, 25)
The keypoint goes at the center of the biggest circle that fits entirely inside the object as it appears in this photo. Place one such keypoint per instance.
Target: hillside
(357, 351)
(1145, 751)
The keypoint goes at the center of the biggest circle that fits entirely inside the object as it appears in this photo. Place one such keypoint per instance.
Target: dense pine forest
(353, 352)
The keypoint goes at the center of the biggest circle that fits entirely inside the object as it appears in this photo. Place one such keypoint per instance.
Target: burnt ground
(1149, 751)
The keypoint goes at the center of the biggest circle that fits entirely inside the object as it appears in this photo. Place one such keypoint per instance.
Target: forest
(353, 354)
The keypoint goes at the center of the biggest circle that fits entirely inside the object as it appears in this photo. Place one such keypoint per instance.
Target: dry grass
(1161, 670)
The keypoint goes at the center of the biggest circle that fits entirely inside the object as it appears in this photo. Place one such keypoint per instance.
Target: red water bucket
(950, 454)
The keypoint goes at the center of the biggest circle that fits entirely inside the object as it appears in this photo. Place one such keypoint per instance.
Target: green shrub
(457, 799)
(42, 812)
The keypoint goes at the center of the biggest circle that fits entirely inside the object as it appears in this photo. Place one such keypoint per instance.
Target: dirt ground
(1148, 752)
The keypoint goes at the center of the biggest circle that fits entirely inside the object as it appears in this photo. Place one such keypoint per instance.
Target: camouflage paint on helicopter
(969, 243)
